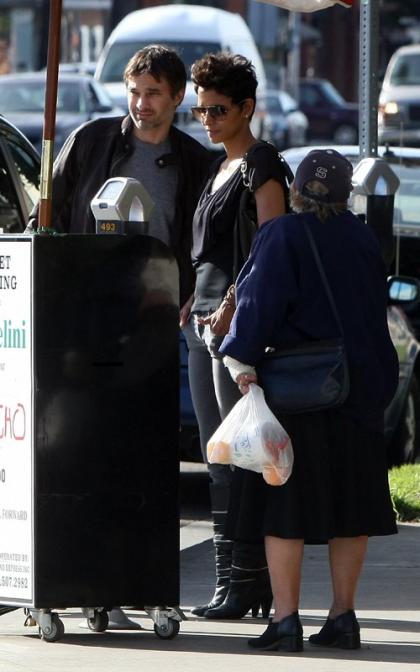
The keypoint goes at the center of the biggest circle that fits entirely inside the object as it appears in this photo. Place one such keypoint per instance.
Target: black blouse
(215, 218)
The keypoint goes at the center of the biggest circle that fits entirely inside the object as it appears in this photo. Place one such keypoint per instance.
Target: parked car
(331, 118)
(286, 125)
(19, 186)
(79, 99)
(399, 99)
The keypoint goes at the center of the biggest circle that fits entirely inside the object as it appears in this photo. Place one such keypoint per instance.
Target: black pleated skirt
(338, 487)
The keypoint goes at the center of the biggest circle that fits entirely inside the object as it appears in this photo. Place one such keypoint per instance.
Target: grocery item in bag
(252, 438)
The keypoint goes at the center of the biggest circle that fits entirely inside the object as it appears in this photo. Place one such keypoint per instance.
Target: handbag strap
(323, 276)
(247, 178)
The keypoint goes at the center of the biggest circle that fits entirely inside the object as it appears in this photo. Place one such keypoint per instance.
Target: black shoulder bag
(313, 376)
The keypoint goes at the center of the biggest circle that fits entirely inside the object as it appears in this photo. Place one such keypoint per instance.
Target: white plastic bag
(251, 437)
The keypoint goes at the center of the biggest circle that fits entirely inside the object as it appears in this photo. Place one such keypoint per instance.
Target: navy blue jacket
(281, 301)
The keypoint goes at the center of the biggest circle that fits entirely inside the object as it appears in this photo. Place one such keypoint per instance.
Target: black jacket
(93, 153)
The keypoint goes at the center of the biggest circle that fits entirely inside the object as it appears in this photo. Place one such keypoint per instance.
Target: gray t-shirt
(160, 182)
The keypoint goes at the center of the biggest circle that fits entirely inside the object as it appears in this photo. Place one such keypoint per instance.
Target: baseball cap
(328, 167)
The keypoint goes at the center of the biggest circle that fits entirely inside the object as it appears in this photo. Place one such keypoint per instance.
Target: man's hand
(184, 313)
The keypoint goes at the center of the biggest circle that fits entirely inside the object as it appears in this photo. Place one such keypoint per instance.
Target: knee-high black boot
(249, 584)
(219, 497)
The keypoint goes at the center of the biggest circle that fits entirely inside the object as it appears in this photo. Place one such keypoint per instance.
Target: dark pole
(120, 9)
(47, 156)
(42, 18)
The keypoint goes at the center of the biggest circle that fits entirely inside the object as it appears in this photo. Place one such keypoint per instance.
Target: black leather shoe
(286, 635)
(342, 632)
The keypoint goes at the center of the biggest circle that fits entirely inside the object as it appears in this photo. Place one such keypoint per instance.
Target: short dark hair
(159, 61)
(231, 75)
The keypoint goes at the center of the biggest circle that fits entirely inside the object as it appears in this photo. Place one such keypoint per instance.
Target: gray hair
(322, 210)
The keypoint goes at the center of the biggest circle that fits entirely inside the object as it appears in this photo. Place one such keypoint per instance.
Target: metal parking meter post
(122, 205)
(368, 78)
(375, 180)
(373, 177)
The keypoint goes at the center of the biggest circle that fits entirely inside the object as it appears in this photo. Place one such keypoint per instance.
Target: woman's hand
(244, 380)
(220, 320)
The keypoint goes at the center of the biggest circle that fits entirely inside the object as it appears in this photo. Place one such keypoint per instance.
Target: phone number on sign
(13, 582)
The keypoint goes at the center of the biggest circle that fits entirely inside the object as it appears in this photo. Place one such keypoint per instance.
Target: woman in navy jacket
(338, 492)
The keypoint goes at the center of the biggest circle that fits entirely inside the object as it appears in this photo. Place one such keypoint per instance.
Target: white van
(194, 31)
(399, 99)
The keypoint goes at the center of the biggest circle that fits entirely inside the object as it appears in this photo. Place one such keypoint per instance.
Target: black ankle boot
(342, 632)
(220, 591)
(249, 585)
(286, 635)
(223, 549)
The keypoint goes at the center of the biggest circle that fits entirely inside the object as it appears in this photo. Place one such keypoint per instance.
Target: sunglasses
(213, 111)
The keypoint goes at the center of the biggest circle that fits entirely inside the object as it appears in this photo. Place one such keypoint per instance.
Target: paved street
(388, 611)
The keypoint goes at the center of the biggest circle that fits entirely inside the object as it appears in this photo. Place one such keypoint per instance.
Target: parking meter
(122, 205)
(375, 182)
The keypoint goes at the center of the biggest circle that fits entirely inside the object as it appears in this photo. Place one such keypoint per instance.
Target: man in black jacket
(145, 145)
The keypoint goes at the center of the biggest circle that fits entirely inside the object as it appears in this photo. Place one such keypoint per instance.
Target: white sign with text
(16, 469)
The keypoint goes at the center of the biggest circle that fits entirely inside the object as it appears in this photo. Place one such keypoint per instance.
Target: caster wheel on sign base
(168, 631)
(54, 632)
(99, 622)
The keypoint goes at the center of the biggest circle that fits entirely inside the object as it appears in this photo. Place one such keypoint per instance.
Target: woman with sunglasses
(246, 187)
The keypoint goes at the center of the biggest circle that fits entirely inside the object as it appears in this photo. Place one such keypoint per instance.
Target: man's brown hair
(159, 61)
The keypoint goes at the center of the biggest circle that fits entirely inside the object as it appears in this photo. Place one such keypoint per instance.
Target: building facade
(24, 32)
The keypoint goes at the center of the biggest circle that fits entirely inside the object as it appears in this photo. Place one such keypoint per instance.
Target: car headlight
(391, 107)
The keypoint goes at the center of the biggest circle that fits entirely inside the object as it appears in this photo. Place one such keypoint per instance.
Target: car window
(21, 96)
(121, 52)
(70, 98)
(406, 70)
(27, 171)
(331, 93)
(28, 96)
(309, 96)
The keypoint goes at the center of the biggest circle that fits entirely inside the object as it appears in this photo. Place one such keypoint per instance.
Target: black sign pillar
(89, 422)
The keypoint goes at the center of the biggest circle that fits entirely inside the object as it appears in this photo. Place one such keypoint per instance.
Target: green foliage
(404, 483)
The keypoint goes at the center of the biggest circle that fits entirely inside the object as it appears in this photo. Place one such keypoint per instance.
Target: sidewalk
(388, 612)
